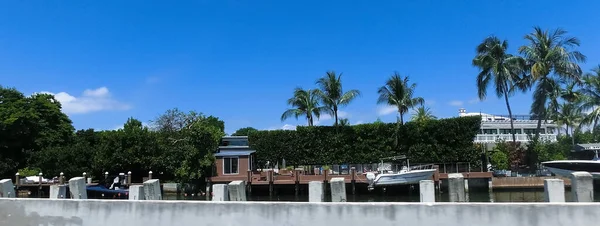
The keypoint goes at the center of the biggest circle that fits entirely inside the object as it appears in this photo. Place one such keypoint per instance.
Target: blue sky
(240, 60)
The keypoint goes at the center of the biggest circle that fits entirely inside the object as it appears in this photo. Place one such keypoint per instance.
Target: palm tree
(569, 115)
(399, 93)
(590, 99)
(550, 52)
(305, 102)
(344, 122)
(500, 68)
(423, 114)
(332, 94)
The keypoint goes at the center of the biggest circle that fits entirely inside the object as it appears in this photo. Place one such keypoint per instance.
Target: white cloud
(456, 103)
(358, 122)
(92, 100)
(326, 117)
(284, 127)
(388, 109)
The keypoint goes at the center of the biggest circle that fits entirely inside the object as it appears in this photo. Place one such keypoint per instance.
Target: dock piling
(136, 192)
(248, 183)
(554, 190)
(58, 191)
(18, 179)
(338, 189)
(152, 190)
(353, 179)
(582, 187)
(237, 190)
(316, 193)
(297, 181)
(77, 188)
(427, 190)
(456, 187)
(7, 189)
(61, 178)
(220, 192)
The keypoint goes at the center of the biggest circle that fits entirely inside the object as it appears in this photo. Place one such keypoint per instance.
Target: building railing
(492, 138)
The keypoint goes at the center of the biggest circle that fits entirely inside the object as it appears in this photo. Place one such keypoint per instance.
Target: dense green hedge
(445, 140)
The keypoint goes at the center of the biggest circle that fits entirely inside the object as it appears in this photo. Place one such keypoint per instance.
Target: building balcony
(524, 138)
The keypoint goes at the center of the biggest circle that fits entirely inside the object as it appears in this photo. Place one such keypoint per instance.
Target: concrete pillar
(466, 185)
(316, 192)
(237, 190)
(7, 189)
(77, 188)
(338, 189)
(136, 192)
(150, 175)
(490, 185)
(427, 190)
(18, 179)
(58, 191)
(456, 187)
(220, 192)
(61, 178)
(582, 187)
(152, 190)
(554, 190)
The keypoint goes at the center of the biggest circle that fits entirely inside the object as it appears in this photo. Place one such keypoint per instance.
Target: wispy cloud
(386, 110)
(325, 117)
(284, 127)
(92, 100)
(456, 103)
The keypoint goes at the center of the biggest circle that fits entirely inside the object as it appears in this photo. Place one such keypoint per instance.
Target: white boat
(407, 175)
(564, 168)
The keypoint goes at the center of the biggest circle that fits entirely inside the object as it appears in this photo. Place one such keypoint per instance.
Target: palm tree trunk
(512, 126)
(540, 115)
(335, 111)
(310, 121)
(401, 118)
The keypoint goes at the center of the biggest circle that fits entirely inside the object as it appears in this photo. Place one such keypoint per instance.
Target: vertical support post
(456, 187)
(270, 177)
(353, 179)
(220, 192)
(316, 192)
(61, 178)
(297, 181)
(7, 190)
(85, 177)
(150, 175)
(106, 176)
(467, 185)
(554, 190)
(249, 183)
(152, 190)
(136, 192)
(77, 188)
(490, 185)
(129, 178)
(208, 189)
(237, 190)
(426, 188)
(18, 179)
(582, 187)
(58, 191)
(40, 185)
(338, 189)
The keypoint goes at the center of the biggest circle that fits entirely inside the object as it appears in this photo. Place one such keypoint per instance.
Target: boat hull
(565, 168)
(412, 177)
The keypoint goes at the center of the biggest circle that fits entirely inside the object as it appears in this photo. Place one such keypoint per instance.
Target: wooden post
(353, 179)
(150, 175)
(84, 177)
(18, 179)
(61, 178)
(297, 180)
(249, 182)
(129, 178)
(270, 178)
(209, 189)
(105, 176)
(40, 184)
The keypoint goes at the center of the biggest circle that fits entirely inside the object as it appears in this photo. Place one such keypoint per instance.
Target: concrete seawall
(19, 212)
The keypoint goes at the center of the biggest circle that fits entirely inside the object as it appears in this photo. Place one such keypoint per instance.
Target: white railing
(492, 138)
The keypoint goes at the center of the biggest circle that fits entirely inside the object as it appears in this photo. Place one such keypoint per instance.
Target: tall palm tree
(550, 53)
(305, 103)
(590, 99)
(399, 92)
(501, 69)
(332, 94)
(422, 114)
(569, 114)
(344, 122)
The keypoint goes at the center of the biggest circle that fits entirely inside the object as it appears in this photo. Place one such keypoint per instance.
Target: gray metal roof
(587, 147)
(234, 153)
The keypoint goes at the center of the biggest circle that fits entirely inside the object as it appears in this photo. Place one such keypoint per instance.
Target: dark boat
(566, 167)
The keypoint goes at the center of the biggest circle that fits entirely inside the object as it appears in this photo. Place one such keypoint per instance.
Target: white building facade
(497, 127)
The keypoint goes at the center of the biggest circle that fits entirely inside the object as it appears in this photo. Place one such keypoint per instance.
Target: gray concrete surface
(237, 190)
(316, 191)
(427, 191)
(220, 192)
(7, 189)
(158, 213)
(582, 187)
(136, 192)
(152, 190)
(554, 190)
(77, 188)
(58, 191)
(456, 187)
(338, 189)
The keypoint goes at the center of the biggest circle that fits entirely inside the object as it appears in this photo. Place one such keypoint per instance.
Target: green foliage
(445, 140)
(244, 131)
(27, 172)
(499, 160)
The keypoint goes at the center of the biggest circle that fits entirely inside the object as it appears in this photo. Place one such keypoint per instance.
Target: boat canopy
(587, 147)
(399, 157)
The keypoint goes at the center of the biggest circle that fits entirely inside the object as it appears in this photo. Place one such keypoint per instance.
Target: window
(490, 131)
(230, 165)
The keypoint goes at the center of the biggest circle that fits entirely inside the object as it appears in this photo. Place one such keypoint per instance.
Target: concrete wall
(150, 213)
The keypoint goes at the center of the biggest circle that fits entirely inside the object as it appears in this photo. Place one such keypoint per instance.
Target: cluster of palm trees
(330, 96)
(548, 64)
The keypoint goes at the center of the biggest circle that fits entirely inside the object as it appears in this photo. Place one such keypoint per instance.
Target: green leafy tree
(569, 115)
(423, 114)
(399, 92)
(344, 122)
(332, 94)
(549, 55)
(501, 69)
(244, 131)
(304, 103)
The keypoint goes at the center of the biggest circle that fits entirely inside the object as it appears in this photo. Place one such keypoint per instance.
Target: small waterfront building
(497, 127)
(234, 157)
